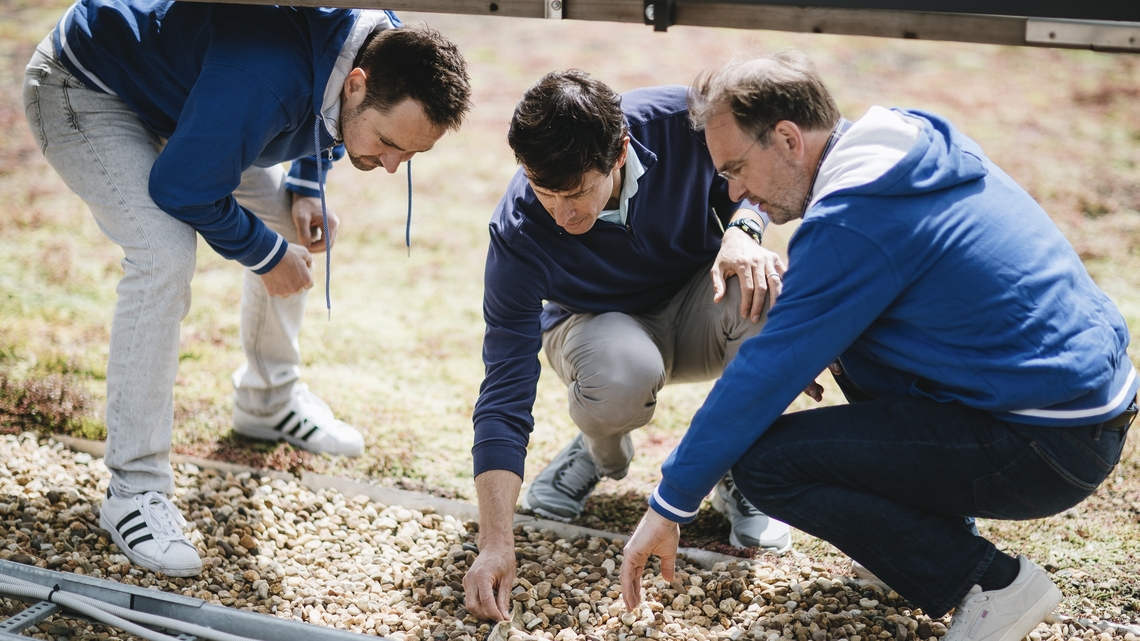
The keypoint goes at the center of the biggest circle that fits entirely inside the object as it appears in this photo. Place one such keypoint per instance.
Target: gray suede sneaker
(559, 492)
(750, 527)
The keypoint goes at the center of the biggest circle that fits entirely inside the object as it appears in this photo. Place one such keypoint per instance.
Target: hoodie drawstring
(408, 225)
(324, 212)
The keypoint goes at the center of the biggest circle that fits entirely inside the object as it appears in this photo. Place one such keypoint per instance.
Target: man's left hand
(758, 271)
(655, 534)
(309, 222)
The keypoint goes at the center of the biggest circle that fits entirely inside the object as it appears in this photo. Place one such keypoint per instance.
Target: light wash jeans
(104, 153)
(614, 364)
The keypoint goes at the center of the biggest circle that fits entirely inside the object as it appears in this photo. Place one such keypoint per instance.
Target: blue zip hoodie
(229, 86)
(673, 228)
(937, 278)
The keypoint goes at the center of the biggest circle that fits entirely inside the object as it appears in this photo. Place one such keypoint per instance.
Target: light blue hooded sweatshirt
(927, 272)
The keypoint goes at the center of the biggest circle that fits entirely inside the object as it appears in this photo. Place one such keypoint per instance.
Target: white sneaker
(306, 422)
(750, 527)
(148, 529)
(1007, 614)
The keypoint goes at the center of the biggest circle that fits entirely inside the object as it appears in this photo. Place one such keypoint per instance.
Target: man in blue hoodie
(650, 274)
(171, 120)
(987, 373)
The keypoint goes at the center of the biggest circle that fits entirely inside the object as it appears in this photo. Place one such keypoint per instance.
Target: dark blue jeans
(891, 482)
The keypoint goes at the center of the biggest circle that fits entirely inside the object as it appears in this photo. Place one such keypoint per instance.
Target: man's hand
(487, 585)
(292, 274)
(655, 534)
(758, 271)
(310, 224)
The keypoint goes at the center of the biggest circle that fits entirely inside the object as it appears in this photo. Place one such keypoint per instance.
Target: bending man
(171, 119)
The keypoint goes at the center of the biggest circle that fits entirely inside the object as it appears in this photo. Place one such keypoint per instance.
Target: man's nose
(736, 191)
(392, 160)
(563, 211)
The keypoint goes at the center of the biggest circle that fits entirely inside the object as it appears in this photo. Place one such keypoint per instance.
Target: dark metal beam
(1102, 25)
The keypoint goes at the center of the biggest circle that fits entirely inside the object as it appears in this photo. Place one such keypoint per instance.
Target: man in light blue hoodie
(171, 120)
(987, 374)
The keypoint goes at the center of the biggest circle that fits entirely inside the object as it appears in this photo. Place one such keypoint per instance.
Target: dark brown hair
(763, 91)
(566, 125)
(416, 62)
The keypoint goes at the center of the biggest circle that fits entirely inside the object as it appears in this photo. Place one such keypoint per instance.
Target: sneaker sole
(772, 548)
(138, 559)
(1045, 604)
(264, 434)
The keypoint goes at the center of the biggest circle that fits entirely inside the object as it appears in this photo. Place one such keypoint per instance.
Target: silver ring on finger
(773, 275)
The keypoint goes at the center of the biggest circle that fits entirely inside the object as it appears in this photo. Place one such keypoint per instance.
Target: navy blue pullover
(229, 86)
(674, 227)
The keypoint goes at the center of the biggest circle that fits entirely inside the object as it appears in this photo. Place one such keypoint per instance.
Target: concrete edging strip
(459, 510)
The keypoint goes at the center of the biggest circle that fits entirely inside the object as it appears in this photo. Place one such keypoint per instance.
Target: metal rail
(1095, 24)
(174, 606)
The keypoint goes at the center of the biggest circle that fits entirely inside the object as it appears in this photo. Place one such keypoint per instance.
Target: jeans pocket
(1031, 486)
(33, 77)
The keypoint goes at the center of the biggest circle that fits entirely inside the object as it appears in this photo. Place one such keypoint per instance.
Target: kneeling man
(616, 220)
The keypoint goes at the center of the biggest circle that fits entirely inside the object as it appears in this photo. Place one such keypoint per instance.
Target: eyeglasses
(730, 174)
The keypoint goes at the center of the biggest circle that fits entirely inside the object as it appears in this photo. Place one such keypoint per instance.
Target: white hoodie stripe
(1088, 413)
(269, 257)
(71, 56)
(663, 503)
(307, 184)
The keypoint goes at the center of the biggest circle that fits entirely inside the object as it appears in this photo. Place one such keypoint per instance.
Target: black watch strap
(750, 227)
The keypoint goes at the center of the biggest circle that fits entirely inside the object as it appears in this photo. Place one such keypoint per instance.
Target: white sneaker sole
(137, 559)
(270, 434)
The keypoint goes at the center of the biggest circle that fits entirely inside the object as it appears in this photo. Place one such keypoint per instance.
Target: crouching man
(987, 372)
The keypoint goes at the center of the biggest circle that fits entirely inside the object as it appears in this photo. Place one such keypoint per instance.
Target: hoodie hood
(892, 152)
(327, 105)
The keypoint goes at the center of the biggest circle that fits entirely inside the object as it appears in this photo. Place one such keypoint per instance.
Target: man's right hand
(488, 583)
(292, 275)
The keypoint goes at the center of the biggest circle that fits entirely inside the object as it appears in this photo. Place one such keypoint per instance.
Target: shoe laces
(579, 476)
(742, 504)
(964, 613)
(164, 520)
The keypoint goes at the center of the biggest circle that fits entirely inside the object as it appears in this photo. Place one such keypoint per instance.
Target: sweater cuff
(673, 506)
(276, 252)
(498, 456)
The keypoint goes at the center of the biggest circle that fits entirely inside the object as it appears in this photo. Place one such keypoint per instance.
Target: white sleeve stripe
(665, 504)
(307, 184)
(1089, 413)
(75, 61)
(277, 246)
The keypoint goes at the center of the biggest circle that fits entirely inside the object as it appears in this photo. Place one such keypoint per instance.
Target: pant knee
(607, 402)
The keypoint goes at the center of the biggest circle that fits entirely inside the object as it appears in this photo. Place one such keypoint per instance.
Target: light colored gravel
(273, 546)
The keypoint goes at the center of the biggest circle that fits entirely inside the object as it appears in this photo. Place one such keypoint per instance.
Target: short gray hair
(761, 92)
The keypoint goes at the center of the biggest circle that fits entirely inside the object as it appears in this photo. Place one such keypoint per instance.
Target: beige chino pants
(614, 364)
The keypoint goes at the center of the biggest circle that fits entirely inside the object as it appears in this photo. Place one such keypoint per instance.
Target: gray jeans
(614, 363)
(104, 153)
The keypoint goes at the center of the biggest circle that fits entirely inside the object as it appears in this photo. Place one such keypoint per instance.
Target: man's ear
(355, 86)
(788, 136)
(624, 154)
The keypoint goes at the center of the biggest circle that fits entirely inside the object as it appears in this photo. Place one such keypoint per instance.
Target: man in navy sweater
(171, 120)
(987, 374)
(616, 220)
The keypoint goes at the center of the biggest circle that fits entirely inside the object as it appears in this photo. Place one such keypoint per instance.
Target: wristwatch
(750, 227)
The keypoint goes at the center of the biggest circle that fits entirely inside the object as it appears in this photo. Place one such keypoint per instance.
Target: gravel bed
(275, 547)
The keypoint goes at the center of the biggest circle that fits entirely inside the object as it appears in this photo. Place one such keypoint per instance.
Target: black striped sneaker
(148, 529)
(306, 422)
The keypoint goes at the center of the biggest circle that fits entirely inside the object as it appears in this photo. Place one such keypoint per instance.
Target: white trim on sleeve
(665, 504)
(276, 246)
